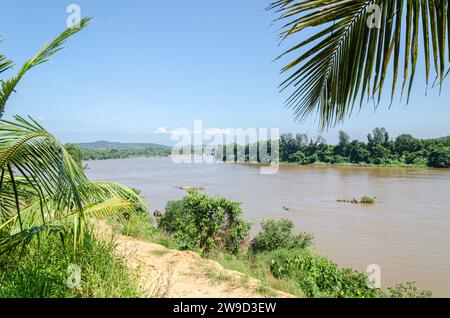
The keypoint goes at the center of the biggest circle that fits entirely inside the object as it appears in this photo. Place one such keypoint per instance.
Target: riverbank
(405, 232)
(288, 164)
(169, 273)
(350, 165)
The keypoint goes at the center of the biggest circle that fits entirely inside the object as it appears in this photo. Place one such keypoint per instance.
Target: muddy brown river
(407, 233)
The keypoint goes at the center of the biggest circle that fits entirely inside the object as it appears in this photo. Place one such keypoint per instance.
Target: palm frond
(346, 60)
(8, 86)
(42, 186)
(5, 64)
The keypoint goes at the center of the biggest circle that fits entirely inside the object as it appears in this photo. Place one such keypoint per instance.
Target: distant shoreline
(293, 164)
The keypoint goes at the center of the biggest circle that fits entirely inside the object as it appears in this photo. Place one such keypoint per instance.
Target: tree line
(379, 149)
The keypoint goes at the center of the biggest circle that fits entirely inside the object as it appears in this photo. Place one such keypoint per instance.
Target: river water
(407, 233)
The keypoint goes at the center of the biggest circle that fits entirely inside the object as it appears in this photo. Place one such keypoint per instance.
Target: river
(407, 233)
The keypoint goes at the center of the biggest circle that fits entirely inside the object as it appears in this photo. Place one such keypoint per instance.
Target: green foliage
(43, 188)
(41, 271)
(201, 223)
(278, 235)
(76, 153)
(408, 290)
(44, 54)
(379, 150)
(105, 154)
(336, 61)
(319, 277)
(440, 157)
(257, 265)
(103, 150)
(368, 200)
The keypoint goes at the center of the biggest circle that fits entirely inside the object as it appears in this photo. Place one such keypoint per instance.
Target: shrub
(439, 157)
(42, 271)
(368, 200)
(318, 276)
(279, 234)
(408, 290)
(202, 223)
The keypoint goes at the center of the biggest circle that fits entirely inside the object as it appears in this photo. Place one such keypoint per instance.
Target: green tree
(405, 144)
(439, 157)
(358, 152)
(202, 223)
(76, 153)
(42, 188)
(343, 146)
(351, 49)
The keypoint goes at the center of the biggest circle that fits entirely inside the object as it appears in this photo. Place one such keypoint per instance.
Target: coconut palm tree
(356, 46)
(42, 189)
(9, 86)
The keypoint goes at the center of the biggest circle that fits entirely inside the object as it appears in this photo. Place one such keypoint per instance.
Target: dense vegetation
(102, 150)
(279, 257)
(380, 149)
(41, 270)
(204, 224)
(46, 205)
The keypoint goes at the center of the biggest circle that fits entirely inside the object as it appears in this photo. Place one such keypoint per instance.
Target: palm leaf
(5, 64)
(42, 186)
(8, 86)
(346, 59)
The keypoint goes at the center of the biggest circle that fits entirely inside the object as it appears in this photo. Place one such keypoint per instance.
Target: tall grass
(41, 271)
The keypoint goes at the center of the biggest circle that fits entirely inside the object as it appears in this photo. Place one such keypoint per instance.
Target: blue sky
(145, 64)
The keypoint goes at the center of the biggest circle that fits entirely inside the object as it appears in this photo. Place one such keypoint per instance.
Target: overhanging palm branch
(43, 188)
(5, 64)
(348, 59)
(8, 86)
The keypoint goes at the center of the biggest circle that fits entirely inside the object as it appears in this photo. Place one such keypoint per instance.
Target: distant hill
(107, 145)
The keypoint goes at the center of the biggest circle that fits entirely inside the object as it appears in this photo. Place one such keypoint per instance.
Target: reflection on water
(407, 233)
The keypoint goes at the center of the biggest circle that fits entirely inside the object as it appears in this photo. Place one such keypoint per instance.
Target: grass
(297, 271)
(258, 266)
(252, 265)
(42, 270)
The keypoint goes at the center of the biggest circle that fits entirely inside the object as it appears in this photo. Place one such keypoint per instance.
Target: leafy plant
(42, 189)
(408, 290)
(202, 223)
(41, 271)
(319, 277)
(368, 200)
(278, 235)
(345, 59)
(9, 86)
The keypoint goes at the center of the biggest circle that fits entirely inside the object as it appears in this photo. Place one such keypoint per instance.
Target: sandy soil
(179, 274)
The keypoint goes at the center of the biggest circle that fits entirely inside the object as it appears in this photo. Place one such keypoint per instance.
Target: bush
(203, 224)
(439, 158)
(408, 290)
(368, 200)
(279, 234)
(319, 277)
(41, 271)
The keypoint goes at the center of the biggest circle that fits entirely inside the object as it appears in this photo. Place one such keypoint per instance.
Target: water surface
(407, 233)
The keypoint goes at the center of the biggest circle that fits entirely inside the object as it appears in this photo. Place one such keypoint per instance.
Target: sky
(143, 67)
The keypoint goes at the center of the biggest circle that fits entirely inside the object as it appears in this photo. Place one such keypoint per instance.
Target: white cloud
(161, 130)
